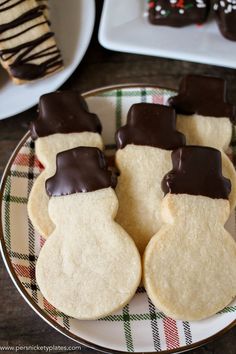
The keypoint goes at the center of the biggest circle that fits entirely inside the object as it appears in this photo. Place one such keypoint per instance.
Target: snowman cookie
(64, 122)
(205, 118)
(143, 158)
(189, 266)
(89, 267)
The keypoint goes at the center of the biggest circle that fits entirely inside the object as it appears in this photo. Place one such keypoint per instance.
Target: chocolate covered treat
(226, 17)
(64, 122)
(205, 117)
(192, 256)
(143, 158)
(178, 13)
(89, 267)
(28, 50)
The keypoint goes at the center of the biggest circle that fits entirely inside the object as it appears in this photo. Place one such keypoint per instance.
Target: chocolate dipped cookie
(190, 264)
(64, 122)
(205, 117)
(225, 12)
(89, 267)
(178, 13)
(143, 158)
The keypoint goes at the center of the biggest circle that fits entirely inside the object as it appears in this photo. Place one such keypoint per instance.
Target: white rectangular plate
(124, 28)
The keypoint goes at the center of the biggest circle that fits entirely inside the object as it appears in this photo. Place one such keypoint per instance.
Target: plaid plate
(139, 326)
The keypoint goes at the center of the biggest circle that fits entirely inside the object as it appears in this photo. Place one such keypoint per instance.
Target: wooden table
(19, 325)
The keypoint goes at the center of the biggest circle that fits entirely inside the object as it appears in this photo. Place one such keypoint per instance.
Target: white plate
(130, 31)
(138, 327)
(72, 22)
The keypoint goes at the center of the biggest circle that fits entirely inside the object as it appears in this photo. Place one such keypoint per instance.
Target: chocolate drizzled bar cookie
(28, 50)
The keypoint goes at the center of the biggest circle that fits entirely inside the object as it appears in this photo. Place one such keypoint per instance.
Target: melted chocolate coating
(151, 125)
(80, 170)
(178, 13)
(203, 95)
(63, 112)
(197, 171)
(226, 18)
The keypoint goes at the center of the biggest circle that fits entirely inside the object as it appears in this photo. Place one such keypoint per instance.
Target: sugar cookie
(143, 158)
(64, 123)
(89, 267)
(190, 264)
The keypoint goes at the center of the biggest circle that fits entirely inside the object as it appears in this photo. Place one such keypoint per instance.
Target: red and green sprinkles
(180, 5)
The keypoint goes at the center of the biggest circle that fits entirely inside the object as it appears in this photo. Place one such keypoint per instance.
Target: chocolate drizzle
(176, 13)
(10, 6)
(226, 18)
(28, 16)
(63, 112)
(151, 125)
(197, 171)
(203, 95)
(80, 170)
(23, 66)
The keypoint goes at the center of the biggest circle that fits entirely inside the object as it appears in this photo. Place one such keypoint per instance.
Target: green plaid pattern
(139, 326)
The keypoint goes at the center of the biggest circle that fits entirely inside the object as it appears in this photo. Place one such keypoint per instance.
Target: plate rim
(24, 293)
(91, 4)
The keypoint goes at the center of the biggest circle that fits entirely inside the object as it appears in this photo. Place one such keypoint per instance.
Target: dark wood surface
(19, 325)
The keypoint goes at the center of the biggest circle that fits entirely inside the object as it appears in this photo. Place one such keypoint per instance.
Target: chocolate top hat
(203, 95)
(64, 112)
(197, 171)
(79, 170)
(178, 13)
(226, 17)
(151, 125)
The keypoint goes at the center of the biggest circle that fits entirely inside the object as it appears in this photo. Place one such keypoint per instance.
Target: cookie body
(190, 265)
(139, 190)
(89, 267)
(46, 150)
(205, 131)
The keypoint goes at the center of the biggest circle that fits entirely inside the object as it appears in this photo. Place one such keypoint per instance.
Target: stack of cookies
(167, 206)
(28, 50)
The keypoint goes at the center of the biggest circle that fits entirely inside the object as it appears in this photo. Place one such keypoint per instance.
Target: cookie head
(197, 171)
(203, 95)
(80, 170)
(64, 112)
(151, 125)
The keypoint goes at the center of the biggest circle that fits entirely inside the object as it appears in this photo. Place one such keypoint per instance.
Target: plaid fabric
(137, 327)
